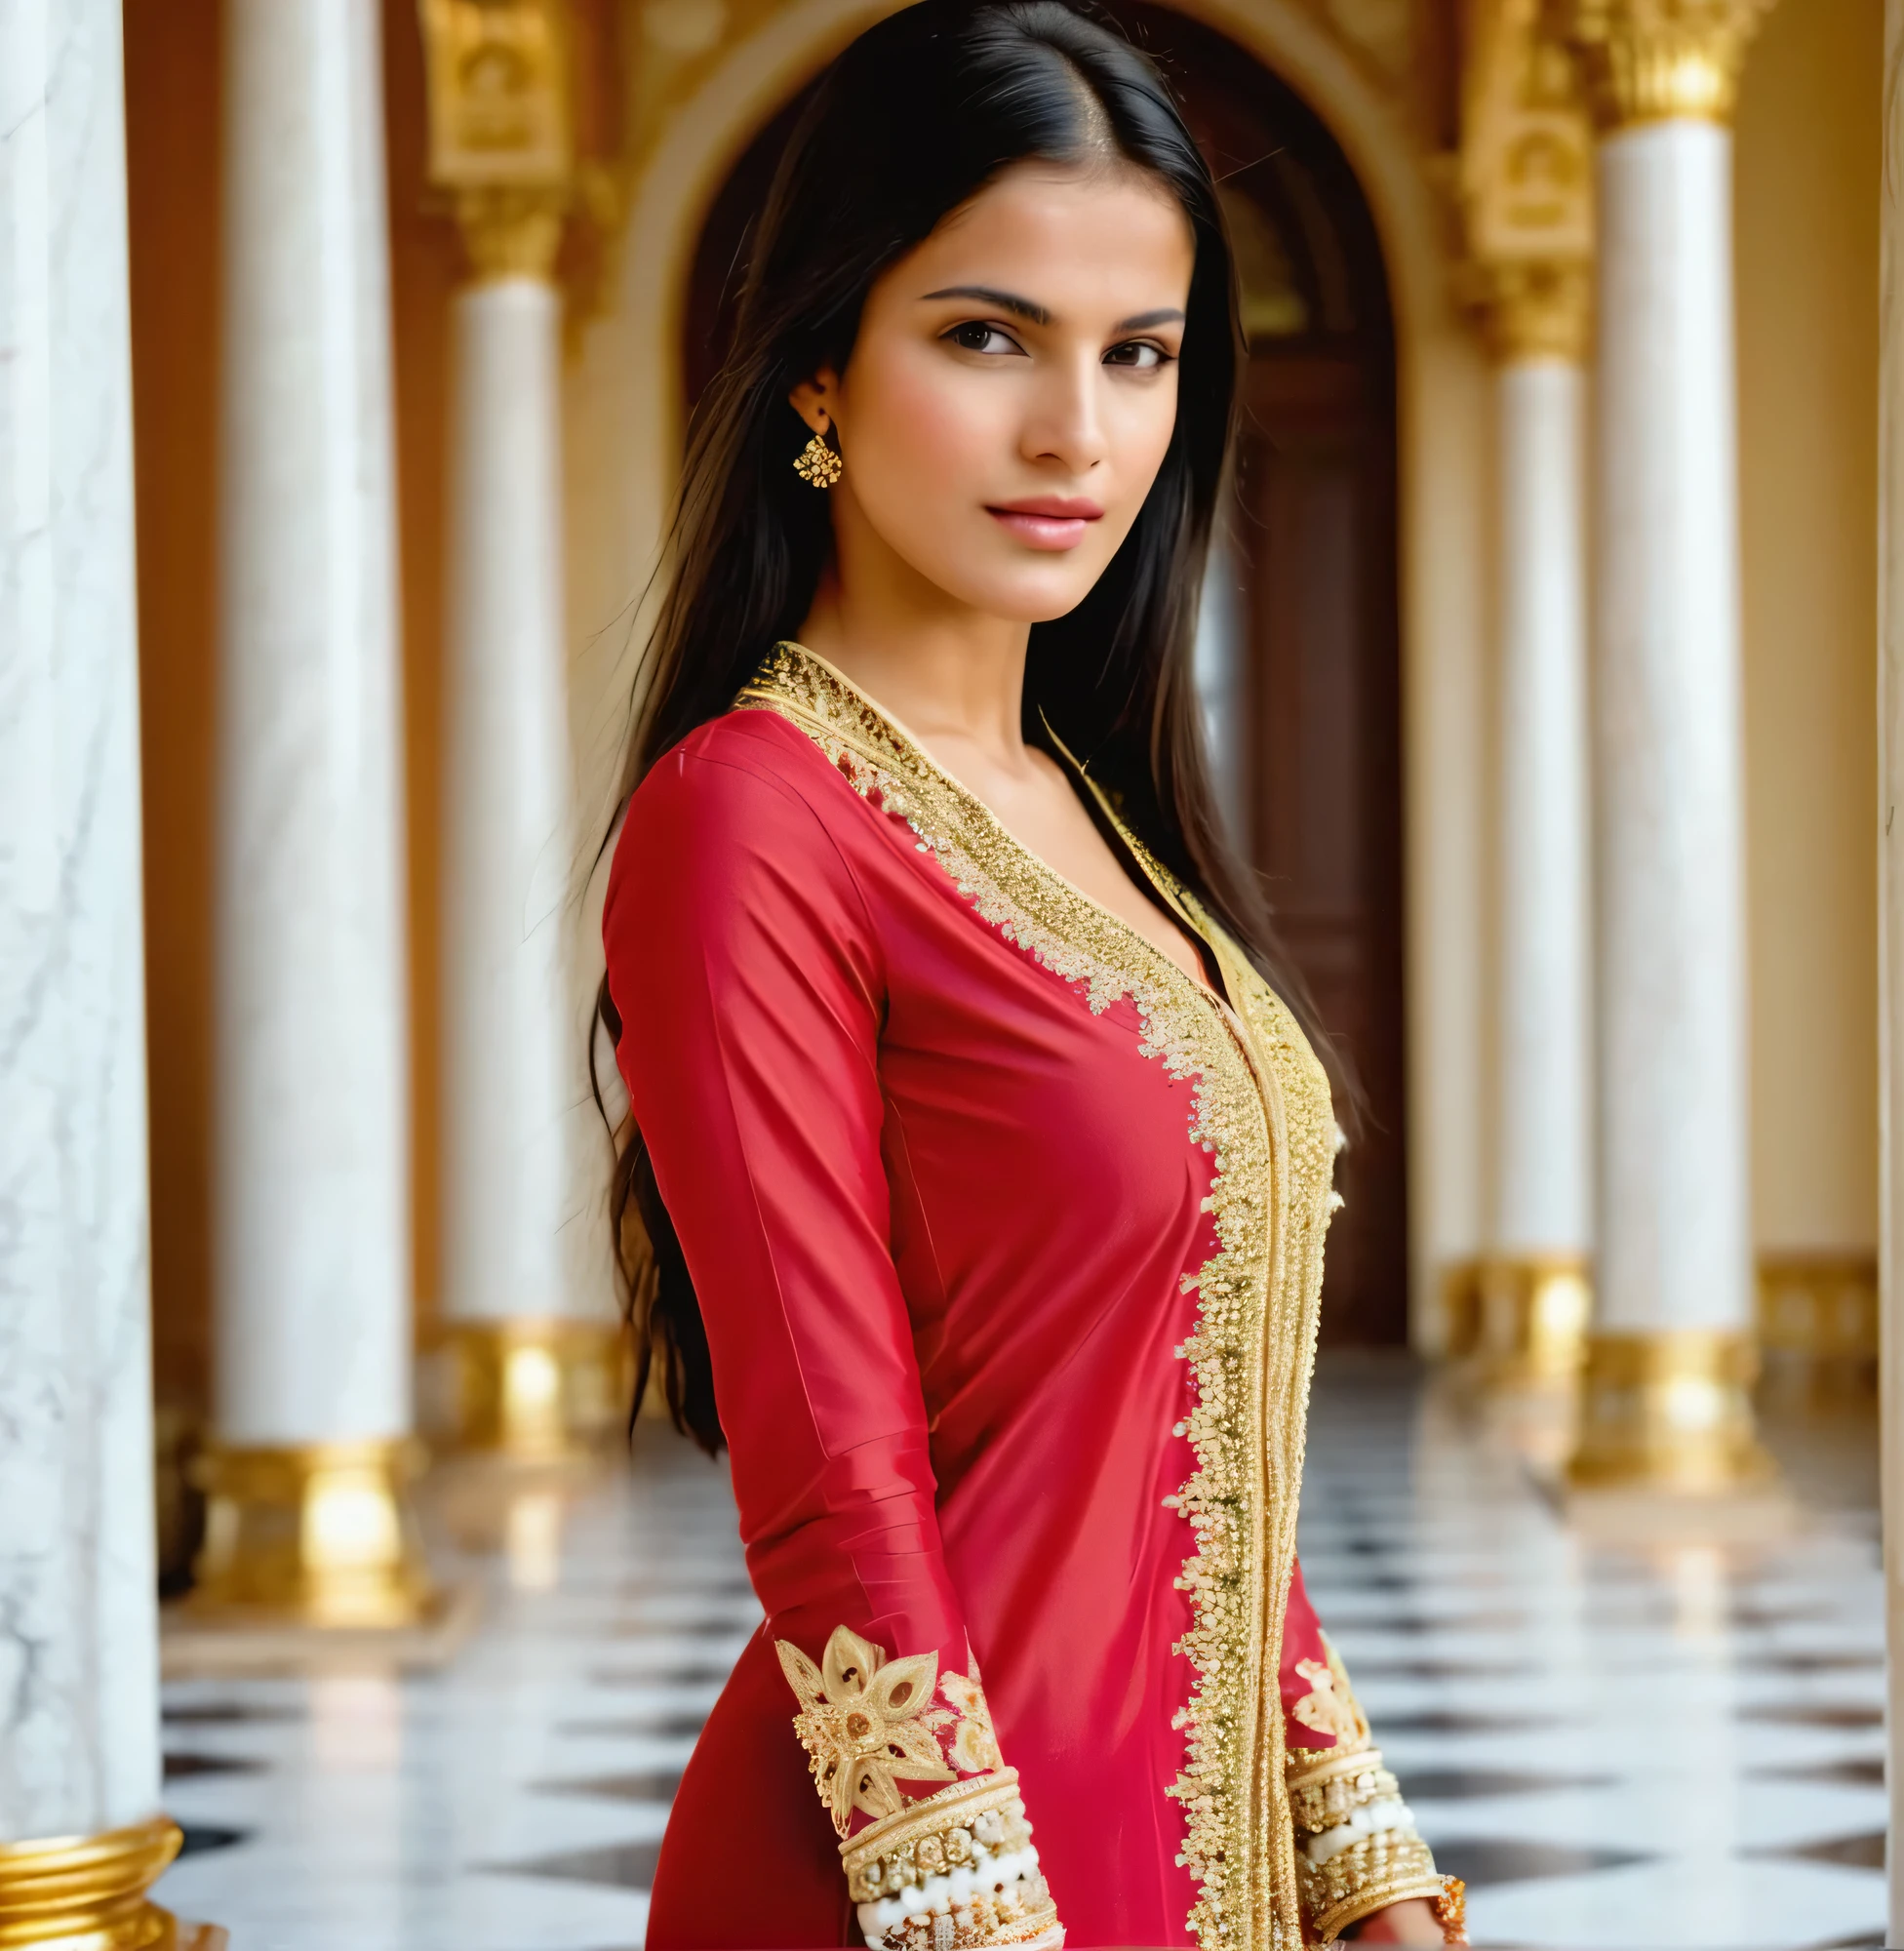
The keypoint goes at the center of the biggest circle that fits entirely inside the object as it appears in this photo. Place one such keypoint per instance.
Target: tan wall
(1807, 297)
(171, 111)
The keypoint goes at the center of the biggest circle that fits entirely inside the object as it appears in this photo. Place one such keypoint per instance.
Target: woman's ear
(813, 399)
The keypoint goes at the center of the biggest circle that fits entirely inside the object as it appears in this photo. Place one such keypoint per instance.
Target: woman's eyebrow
(1024, 308)
(1005, 300)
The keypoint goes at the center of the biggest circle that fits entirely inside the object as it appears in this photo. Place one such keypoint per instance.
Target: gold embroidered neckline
(908, 743)
(1259, 1106)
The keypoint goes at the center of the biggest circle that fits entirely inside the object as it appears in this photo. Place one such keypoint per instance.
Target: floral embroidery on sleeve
(951, 1870)
(862, 1723)
(974, 1748)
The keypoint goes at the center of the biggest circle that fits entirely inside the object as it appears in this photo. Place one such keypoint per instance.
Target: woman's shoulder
(744, 801)
(747, 774)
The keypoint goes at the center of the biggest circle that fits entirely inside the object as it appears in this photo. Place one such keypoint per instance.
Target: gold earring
(818, 464)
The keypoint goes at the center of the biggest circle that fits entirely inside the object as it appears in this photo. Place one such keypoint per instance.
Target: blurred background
(352, 349)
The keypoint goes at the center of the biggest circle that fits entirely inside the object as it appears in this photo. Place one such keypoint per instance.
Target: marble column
(1666, 1405)
(531, 1370)
(534, 1374)
(1891, 922)
(307, 1514)
(1533, 1284)
(81, 1832)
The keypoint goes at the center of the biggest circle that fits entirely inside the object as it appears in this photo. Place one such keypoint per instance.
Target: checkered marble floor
(1681, 1748)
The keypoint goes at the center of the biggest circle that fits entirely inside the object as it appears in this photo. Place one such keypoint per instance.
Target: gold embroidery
(861, 1721)
(1261, 1107)
(974, 1748)
(1331, 1707)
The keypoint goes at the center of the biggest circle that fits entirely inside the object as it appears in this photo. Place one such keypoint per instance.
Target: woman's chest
(1044, 1145)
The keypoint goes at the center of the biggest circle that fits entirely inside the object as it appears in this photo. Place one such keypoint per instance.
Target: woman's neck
(952, 675)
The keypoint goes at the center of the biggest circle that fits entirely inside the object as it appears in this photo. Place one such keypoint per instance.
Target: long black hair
(916, 117)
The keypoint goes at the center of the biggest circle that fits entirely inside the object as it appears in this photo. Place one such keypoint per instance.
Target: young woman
(984, 1171)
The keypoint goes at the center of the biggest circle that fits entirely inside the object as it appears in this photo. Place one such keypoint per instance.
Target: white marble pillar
(1666, 1403)
(1891, 920)
(530, 1365)
(78, 1626)
(311, 1242)
(531, 1370)
(1533, 1288)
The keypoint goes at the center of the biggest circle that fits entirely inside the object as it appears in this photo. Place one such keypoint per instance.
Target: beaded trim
(1388, 1866)
(954, 1871)
(1260, 1105)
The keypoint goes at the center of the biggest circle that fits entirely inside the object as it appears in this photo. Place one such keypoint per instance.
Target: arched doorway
(1300, 660)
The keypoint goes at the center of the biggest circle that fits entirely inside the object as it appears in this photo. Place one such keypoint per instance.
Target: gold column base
(1460, 1309)
(534, 1388)
(1531, 1321)
(313, 1533)
(88, 1893)
(1670, 1413)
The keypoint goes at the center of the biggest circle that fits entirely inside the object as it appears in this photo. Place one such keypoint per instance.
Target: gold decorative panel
(498, 94)
(1525, 184)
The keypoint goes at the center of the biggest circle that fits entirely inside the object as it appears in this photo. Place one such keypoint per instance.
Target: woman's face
(1013, 389)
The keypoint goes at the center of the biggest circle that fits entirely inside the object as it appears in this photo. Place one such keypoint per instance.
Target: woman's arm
(1365, 1872)
(749, 977)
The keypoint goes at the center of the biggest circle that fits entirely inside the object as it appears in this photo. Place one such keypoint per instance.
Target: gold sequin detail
(1260, 1107)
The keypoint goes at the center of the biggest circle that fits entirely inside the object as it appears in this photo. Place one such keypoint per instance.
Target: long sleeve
(750, 979)
(1357, 1847)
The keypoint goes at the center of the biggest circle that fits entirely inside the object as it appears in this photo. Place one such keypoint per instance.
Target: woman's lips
(1048, 523)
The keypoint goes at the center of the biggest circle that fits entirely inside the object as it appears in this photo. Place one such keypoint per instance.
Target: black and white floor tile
(1679, 1749)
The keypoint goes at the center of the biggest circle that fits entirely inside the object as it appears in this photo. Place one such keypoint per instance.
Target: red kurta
(953, 1155)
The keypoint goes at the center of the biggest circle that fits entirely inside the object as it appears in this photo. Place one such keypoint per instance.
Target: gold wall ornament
(1658, 61)
(1669, 1411)
(500, 126)
(1525, 187)
(534, 1388)
(88, 1893)
(314, 1534)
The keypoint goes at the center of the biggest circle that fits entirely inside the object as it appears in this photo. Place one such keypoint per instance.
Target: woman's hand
(1413, 1922)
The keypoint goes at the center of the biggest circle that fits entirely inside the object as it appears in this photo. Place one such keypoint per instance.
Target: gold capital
(510, 233)
(1532, 308)
(1657, 61)
(501, 140)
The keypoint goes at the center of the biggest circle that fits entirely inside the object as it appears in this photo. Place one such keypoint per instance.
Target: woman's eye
(1137, 353)
(973, 336)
